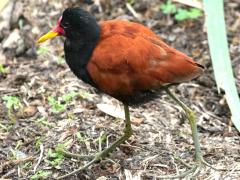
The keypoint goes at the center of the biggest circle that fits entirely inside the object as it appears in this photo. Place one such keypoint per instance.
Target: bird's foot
(98, 156)
(192, 171)
(94, 159)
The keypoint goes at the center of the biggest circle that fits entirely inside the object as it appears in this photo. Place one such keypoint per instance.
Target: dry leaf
(102, 178)
(29, 111)
(112, 110)
(193, 3)
(136, 121)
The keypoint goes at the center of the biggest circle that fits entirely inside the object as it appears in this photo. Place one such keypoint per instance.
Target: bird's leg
(192, 120)
(127, 134)
(199, 159)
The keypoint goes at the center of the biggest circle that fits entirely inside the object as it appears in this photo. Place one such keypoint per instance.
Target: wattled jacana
(125, 60)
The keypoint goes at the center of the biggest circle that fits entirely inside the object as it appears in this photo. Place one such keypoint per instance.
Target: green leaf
(194, 13)
(68, 97)
(56, 106)
(216, 30)
(182, 14)
(2, 69)
(168, 8)
(12, 102)
(43, 50)
(41, 175)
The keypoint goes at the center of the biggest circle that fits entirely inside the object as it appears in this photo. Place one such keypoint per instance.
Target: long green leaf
(216, 30)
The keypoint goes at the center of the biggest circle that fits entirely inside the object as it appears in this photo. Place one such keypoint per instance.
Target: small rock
(12, 40)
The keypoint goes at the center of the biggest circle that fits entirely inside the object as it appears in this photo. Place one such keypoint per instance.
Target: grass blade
(216, 30)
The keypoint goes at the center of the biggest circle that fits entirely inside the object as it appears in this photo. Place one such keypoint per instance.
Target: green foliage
(56, 105)
(2, 69)
(131, 2)
(221, 61)
(43, 50)
(67, 98)
(60, 60)
(38, 141)
(59, 105)
(54, 158)
(183, 14)
(102, 137)
(168, 8)
(81, 138)
(180, 14)
(43, 121)
(41, 175)
(13, 104)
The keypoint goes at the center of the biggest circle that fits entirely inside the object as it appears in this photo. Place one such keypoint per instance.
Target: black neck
(78, 52)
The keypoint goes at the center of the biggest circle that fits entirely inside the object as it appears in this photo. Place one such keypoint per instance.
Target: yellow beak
(49, 35)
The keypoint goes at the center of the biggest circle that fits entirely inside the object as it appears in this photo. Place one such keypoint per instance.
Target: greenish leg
(127, 134)
(192, 172)
(199, 159)
(192, 120)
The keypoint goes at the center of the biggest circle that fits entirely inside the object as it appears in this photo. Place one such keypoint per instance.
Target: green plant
(180, 14)
(38, 141)
(60, 60)
(81, 138)
(131, 2)
(2, 69)
(56, 106)
(67, 98)
(43, 121)
(217, 39)
(13, 104)
(168, 8)
(59, 105)
(41, 175)
(54, 158)
(183, 14)
(43, 50)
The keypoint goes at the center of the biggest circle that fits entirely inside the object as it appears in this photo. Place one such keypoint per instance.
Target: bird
(125, 60)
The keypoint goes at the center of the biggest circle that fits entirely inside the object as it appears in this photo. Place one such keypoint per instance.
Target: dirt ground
(30, 134)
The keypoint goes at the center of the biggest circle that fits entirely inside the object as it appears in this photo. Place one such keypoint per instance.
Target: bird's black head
(75, 24)
(82, 34)
(78, 23)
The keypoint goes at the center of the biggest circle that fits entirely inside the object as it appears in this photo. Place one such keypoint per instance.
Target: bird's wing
(124, 63)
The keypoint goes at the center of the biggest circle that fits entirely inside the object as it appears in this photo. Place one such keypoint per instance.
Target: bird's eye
(65, 25)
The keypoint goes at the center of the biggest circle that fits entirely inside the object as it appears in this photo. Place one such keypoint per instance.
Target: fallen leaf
(193, 3)
(102, 178)
(114, 111)
(29, 111)
(136, 121)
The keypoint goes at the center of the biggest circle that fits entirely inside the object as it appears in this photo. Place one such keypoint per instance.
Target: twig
(78, 170)
(39, 159)
(15, 162)
(134, 13)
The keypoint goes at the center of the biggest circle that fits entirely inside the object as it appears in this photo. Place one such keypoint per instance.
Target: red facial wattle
(57, 31)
